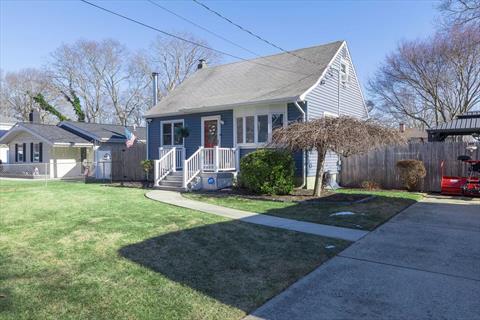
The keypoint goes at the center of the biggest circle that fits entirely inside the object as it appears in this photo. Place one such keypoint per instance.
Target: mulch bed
(300, 195)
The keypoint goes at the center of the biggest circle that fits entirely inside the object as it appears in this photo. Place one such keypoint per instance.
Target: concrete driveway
(423, 264)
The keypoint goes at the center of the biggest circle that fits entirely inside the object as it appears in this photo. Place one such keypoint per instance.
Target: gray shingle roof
(104, 132)
(246, 82)
(467, 122)
(52, 133)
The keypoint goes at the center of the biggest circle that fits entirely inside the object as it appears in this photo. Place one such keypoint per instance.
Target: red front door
(210, 133)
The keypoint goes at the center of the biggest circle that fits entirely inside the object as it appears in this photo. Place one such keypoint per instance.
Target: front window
(250, 129)
(172, 133)
(258, 129)
(36, 152)
(262, 128)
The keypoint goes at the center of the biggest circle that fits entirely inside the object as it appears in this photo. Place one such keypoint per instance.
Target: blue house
(232, 109)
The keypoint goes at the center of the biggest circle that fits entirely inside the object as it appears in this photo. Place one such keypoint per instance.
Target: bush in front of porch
(267, 171)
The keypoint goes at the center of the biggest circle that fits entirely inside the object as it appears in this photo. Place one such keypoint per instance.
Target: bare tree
(461, 12)
(430, 81)
(343, 135)
(19, 89)
(175, 60)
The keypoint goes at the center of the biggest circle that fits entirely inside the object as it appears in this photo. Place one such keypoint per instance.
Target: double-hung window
(171, 133)
(257, 129)
(36, 152)
(20, 152)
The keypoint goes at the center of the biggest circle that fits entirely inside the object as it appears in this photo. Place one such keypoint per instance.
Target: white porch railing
(211, 160)
(192, 166)
(179, 156)
(165, 165)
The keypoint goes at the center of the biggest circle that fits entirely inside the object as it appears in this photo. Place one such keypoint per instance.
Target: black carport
(465, 124)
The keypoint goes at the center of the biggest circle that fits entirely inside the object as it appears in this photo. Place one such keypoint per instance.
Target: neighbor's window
(239, 130)
(171, 134)
(36, 152)
(20, 153)
(250, 129)
(262, 128)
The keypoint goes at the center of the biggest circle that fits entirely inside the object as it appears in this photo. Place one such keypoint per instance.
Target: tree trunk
(317, 190)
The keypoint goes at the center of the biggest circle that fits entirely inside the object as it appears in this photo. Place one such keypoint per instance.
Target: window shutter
(31, 151)
(16, 152)
(24, 152)
(40, 151)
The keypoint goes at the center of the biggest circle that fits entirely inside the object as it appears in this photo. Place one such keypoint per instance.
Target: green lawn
(368, 215)
(78, 251)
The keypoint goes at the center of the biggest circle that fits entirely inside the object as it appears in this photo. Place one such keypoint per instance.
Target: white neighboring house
(5, 125)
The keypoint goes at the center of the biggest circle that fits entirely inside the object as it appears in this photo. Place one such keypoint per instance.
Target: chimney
(402, 127)
(155, 88)
(202, 64)
(34, 116)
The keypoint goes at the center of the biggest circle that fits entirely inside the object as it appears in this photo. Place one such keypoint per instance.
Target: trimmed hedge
(267, 171)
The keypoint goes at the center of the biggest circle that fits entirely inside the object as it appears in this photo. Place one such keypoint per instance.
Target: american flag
(130, 138)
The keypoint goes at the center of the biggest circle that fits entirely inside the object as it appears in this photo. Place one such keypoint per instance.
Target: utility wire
(186, 40)
(253, 34)
(203, 28)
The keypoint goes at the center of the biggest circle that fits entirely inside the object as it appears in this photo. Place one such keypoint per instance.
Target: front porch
(207, 168)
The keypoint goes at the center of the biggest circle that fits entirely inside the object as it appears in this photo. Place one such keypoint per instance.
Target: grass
(77, 251)
(368, 215)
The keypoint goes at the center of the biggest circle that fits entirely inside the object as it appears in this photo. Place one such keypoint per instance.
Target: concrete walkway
(422, 264)
(175, 198)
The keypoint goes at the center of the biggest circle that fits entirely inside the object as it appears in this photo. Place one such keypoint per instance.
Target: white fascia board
(303, 95)
(222, 107)
(72, 144)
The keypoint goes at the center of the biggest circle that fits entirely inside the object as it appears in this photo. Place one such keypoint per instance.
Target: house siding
(324, 98)
(194, 124)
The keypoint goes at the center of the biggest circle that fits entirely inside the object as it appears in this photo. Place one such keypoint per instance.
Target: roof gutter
(304, 169)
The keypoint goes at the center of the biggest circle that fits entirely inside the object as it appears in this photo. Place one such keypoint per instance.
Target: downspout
(304, 173)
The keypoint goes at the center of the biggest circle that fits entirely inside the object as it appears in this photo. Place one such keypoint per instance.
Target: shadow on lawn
(368, 211)
(236, 263)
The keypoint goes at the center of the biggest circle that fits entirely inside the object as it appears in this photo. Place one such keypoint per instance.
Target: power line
(186, 40)
(253, 34)
(203, 28)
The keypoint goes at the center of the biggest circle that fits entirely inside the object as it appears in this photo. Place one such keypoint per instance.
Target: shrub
(412, 173)
(370, 185)
(267, 171)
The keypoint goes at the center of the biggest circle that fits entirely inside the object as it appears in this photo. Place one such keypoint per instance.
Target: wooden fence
(126, 162)
(380, 165)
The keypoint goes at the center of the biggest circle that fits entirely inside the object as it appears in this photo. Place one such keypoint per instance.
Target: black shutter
(24, 152)
(16, 152)
(40, 151)
(31, 151)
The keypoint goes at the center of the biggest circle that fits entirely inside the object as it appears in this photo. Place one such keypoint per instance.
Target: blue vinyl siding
(325, 98)
(194, 124)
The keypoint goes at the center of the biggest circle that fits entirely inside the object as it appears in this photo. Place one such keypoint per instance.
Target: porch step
(169, 183)
(166, 188)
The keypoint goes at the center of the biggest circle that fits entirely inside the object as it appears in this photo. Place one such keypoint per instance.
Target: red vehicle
(463, 186)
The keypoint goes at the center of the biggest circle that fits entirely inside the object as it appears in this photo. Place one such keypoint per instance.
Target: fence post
(46, 177)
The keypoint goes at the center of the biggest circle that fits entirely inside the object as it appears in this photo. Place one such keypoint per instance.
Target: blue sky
(30, 30)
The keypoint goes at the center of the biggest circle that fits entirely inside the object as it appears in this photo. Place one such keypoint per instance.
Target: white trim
(303, 95)
(252, 112)
(173, 133)
(222, 107)
(219, 131)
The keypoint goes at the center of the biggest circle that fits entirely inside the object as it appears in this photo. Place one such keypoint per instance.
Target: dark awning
(465, 124)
